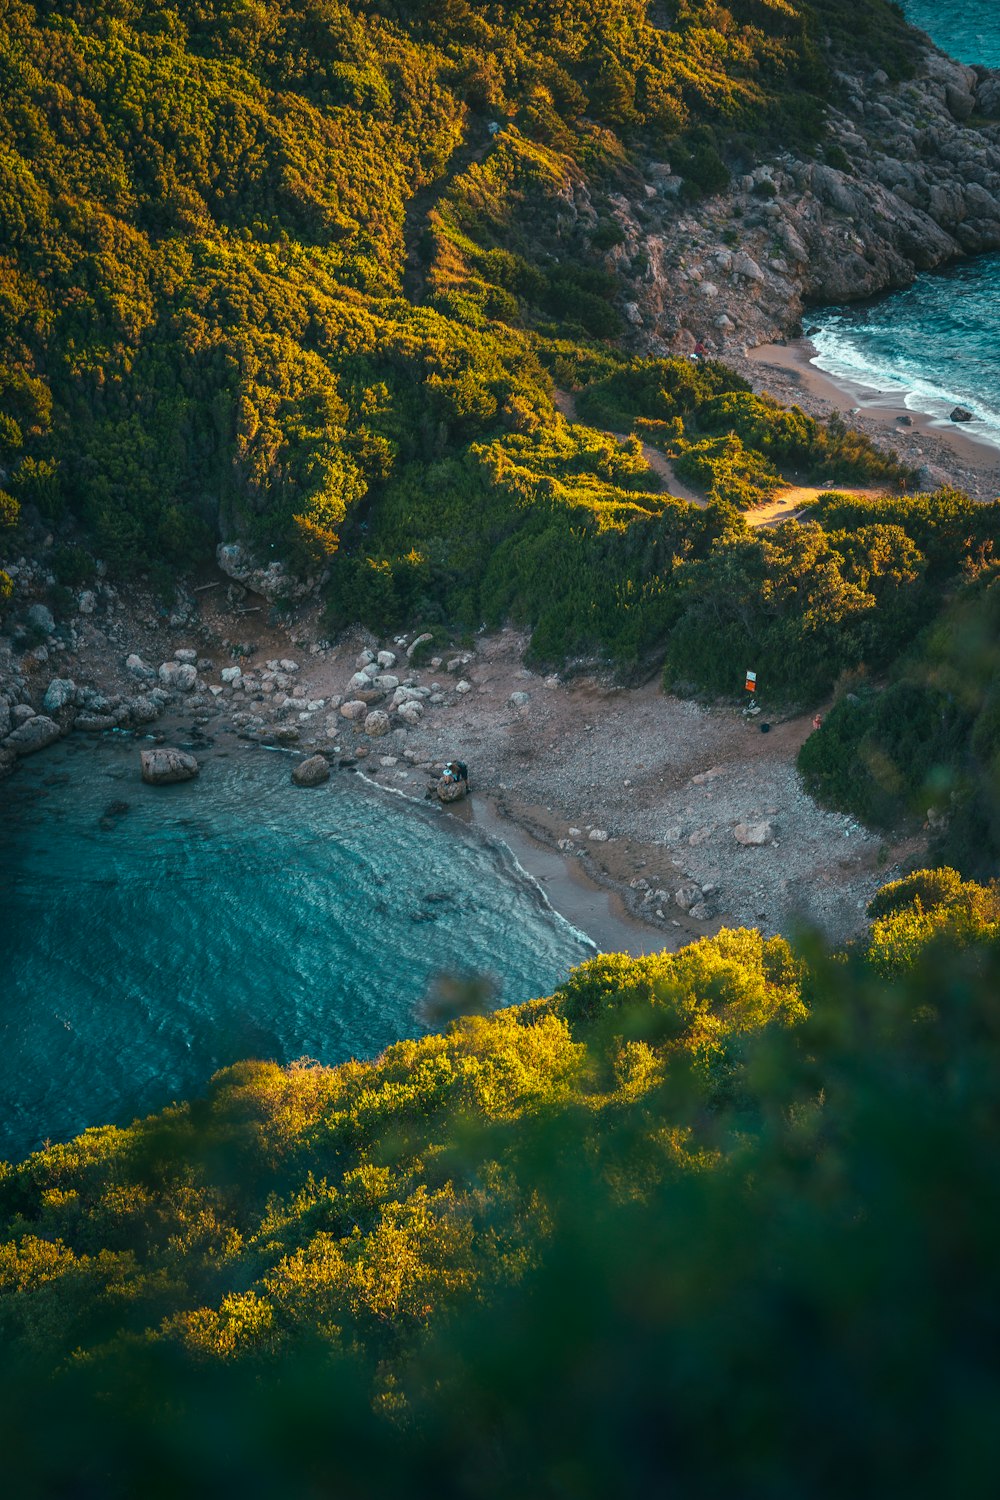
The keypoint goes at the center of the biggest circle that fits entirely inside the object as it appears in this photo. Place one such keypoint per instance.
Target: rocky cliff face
(911, 180)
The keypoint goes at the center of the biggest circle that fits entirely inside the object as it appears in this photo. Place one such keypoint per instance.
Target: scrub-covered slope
(722, 1219)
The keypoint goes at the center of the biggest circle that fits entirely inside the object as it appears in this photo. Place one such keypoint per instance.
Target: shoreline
(945, 450)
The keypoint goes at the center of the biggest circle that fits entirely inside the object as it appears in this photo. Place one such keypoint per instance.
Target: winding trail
(788, 504)
(417, 217)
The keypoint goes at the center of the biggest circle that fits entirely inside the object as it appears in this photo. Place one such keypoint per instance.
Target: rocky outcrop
(165, 765)
(312, 772)
(911, 181)
(272, 581)
(33, 734)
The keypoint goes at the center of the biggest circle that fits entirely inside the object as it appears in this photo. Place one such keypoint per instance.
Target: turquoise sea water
(968, 30)
(234, 916)
(939, 340)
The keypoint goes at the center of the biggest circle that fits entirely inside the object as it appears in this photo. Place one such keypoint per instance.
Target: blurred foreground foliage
(719, 1222)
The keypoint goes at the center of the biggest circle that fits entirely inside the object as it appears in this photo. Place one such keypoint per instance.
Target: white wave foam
(839, 356)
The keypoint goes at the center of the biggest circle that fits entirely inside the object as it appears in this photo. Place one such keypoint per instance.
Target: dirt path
(565, 402)
(418, 210)
(788, 504)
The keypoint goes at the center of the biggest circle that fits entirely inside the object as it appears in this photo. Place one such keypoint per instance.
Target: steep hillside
(289, 273)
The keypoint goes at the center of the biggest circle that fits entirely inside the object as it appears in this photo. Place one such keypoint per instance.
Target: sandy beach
(954, 453)
(628, 807)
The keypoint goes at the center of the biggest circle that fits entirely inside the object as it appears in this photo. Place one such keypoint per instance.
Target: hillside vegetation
(305, 272)
(723, 1219)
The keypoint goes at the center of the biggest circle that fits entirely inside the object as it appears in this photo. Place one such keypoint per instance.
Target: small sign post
(751, 682)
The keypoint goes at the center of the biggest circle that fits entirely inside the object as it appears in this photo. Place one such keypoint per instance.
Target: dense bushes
(928, 744)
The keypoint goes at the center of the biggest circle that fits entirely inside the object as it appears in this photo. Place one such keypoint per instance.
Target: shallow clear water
(234, 916)
(939, 340)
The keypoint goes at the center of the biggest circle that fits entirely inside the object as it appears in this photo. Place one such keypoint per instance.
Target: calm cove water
(938, 341)
(235, 916)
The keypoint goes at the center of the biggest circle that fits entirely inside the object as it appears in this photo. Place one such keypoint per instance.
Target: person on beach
(457, 770)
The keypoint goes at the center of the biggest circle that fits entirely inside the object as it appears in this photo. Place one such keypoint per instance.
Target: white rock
(179, 675)
(87, 602)
(288, 666)
(385, 682)
(410, 713)
(185, 654)
(165, 765)
(598, 835)
(231, 674)
(463, 686)
(386, 659)
(687, 895)
(363, 659)
(420, 641)
(518, 700)
(753, 835)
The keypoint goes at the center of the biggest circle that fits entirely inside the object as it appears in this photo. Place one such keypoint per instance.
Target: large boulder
(41, 617)
(312, 772)
(753, 835)
(376, 724)
(272, 581)
(166, 764)
(34, 734)
(136, 667)
(60, 691)
(451, 791)
(178, 676)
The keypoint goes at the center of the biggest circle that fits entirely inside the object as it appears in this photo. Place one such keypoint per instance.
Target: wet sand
(965, 454)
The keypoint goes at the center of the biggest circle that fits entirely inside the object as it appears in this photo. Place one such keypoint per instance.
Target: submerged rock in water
(312, 772)
(166, 764)
(962, 414)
